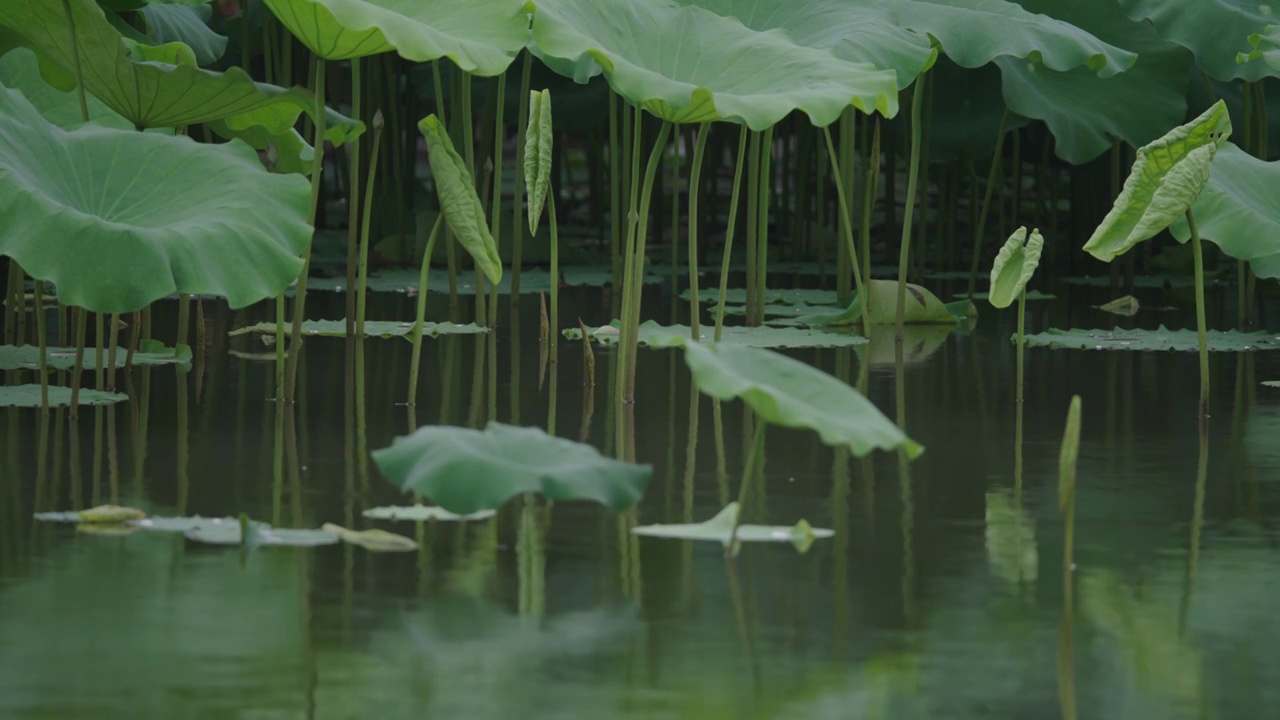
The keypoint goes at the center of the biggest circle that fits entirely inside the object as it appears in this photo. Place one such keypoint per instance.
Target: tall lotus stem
(517, 227)
(695, 182)
(913, 177)
(554, 335)
(1067, 505)
(300, 299)
(628, 260)
(1200, 321)
(81, 320)
(362, 297)
(637, 274)
(846, 225)
(869, 187)
(420, 318)
(728, 234)
(353, 201)
(996, 158)
(450, 254)
(762, 224)
(43, 345)
(112, 346)
(1022, 322)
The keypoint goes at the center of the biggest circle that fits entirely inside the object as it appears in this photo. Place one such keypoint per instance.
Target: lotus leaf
(720, 529)
(790, 393)
(19, 70)
(1014, 265)
(148, 94)
(186, 524)
(1085, 112)
(424, 513)
(1166, 177)
(653, 335)
(1272, 383)
(731, 71)
(372, 329)
(1239, 210)
(118, 219)
(1153, 340)
(1184, 22)
(27, 357)
(465, 471)
(923, 307)
(1126, 306)
(537, 155)
(187, 24)
(480, 36)
(371, 540)
(1139, 281)
(232, 533)
(29, 396)
(458, 200)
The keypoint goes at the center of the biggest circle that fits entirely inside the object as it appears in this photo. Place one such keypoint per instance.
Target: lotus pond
(639, 358)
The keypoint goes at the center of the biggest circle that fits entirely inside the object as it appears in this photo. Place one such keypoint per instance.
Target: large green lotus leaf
(1239, 210)
(1213, 30)
(721, 528)
(861, 32)
(148, 94)
(975, 32)
(480, 36)
(465, 471)
(922, 307)
(117, 219)
(29, 396)
(651, 334)
(187, 24)
(1086, 112)
(1165, 179)
(27, 357)
(1152, 340)
(20, 71)
(459, 202)
(691, 65)
(787, 392)
(372, 329)
(1014, 265)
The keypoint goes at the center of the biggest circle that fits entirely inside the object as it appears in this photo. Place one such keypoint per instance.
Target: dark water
(940, 596)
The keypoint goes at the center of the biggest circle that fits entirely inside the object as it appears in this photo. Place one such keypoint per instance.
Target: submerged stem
(1201, 332)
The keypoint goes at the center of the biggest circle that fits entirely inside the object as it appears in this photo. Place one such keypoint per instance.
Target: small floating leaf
(791, 393)
(720, 529)
(231, 533)
(106, 528)
(1014, 265)
(1153, 340)
(421, 513)
(27, 357)
(653, 335)
(1165, 179)
(29, 396)
(537, 155)
(110, 514)
(1126, 306)
(465, 470)
(372, 329)
(372, 540)
(458, 200)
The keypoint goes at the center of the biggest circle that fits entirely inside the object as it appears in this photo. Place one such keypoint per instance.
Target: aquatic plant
(1012, 270)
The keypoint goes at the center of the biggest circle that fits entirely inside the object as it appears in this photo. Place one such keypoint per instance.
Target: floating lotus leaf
(1272, 383)
(1239, 210)
(372, 329)
(1184, 22)
(29, 396)
(732, 72)
(465, 471)
(1166, 177)
(1126, 306)
(27, 357)
(720, 529)
(1153, 340)
(1086, 113)
(187, 524)
(653, 335)
(458, 200)
(480, 36)
(371, 540)
(187, 24)
(424, 513)
(159, 219)
(537, 155)
(110, 529)
(231, 533)
(1014, 265)
(923, 307)
(790, 393)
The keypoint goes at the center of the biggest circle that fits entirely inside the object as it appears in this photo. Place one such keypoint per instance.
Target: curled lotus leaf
(720, 528)
(537, 155)
(110, 514)
(373, 540)
(1014, 265)
(458, 199)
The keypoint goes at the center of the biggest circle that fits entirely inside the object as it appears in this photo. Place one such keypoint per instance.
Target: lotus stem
(43, 345)
(517, 227)
(317, 167)
(97, 347)
(75, 61)
(553, 337)
(997, 156)
(913, 177)
(846, 226)
(353, 200)
(675, 225)
(728, 233)
(762, 223)
(869, 188)
(615, 198)
(628, 261)
(695, 183)
(280, 359)
(499, 125)
(112, 345)
(1022, 321)
(1201, 331)
(844, 182)
(421, 315)
(754, 459)
(753, 219)
(14, 292)
(81, 320)
(362, 298)
(450, 255)
(637, 277)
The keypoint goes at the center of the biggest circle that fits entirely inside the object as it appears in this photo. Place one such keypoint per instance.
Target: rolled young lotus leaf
(1015, 264)
(458, 199)
(1166, 178)
(537, 155)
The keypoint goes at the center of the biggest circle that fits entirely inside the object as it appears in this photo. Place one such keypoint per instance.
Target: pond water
(941, 594)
